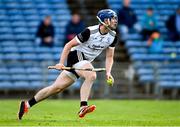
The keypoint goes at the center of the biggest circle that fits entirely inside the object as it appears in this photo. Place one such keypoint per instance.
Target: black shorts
(73, 58)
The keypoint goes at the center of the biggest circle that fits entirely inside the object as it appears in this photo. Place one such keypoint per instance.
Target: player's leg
(89, 77)
(62, 82)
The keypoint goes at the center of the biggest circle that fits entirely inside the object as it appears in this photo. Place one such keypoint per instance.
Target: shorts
(73, 60)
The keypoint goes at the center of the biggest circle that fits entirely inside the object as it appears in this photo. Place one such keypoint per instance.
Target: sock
(32, 102)
(27, 103)
(83, 103)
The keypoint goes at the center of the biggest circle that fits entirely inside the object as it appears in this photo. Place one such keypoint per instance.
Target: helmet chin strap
(107, 26)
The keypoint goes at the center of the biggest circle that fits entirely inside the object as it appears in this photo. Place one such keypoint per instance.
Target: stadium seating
(24, 63)
(19, 20)
(161, 69)
(163, 9)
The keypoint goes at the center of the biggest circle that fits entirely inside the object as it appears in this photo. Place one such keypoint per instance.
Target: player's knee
(91, 77)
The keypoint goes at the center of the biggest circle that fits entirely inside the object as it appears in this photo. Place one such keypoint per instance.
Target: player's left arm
(109, 61)
(110, 58)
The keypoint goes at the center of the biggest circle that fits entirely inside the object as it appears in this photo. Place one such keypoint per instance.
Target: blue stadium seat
(7, 43)
(52, 77)
(24, 37)
(33, 24)
(17, 70)
(42, 50)
(29, 56)
(6, 36)
(26, 49)
(6, 85)
(34, 70)
(37, 84)
(168, 84)
(5, 77)
(11, 49)
(5, 24)
(26, 1)
(35, 77)
(22, 85)
(133, 50)
(14, 12)
(56, 56)
(4, 70)
(177, 84)
(2, 11)
(146, 78)
(57, 50)
(167, 71)
(45, 56)
(12, 5)
(16, 18)
(12, 56)
(42, 5)
(5, 29)
(32, 17)
(138, 65)
(176, 77)
(25, 44)
(19, 30)
(144, 71)
(19, 77)
(28, 8)
(3, 17)
(53, 72)
(165, 78)
(170, 65)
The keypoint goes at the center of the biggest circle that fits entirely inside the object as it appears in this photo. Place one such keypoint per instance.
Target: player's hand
(108, 76)
(109, 79)
(60, 66)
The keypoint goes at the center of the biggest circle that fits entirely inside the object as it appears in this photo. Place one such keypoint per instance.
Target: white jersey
(92, 42)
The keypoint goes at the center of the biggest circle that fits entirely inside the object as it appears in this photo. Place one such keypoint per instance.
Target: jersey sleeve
(83, 36)
(114, 42)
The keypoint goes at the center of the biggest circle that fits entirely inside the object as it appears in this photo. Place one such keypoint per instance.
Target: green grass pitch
(108, 113)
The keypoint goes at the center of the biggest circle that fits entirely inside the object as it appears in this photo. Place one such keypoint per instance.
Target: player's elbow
(71, 44)
(68, 46)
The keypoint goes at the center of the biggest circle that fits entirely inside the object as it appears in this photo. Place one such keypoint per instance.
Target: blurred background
(147, 57)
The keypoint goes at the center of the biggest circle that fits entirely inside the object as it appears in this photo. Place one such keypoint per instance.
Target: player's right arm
(66, 50)
(80, 38)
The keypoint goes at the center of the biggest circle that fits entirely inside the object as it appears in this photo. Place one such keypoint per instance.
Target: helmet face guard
(106, 14)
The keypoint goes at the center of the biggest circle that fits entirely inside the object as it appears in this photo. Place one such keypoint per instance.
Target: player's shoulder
(94, 29)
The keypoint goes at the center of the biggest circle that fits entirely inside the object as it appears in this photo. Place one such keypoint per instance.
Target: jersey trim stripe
(77, 39)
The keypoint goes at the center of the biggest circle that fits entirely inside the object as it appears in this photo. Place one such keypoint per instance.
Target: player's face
(114, 23)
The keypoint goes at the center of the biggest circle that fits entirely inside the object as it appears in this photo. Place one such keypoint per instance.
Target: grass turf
(108, 113)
